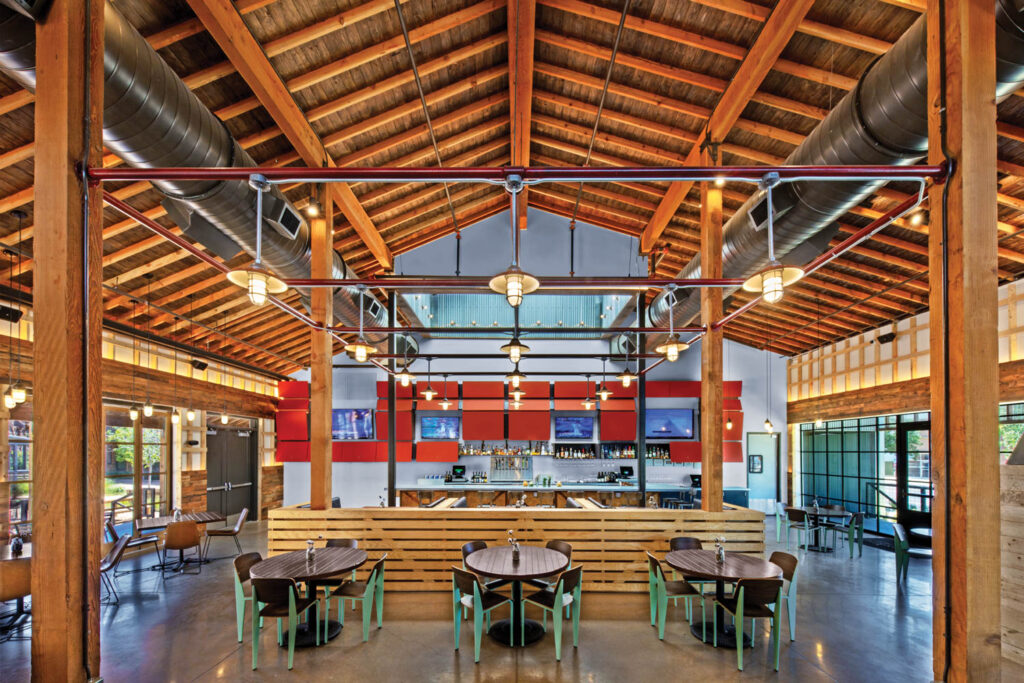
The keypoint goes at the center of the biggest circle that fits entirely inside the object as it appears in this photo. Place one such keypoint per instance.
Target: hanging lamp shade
(133, 413)
(672, 347)
(604, 392)
(175, 418)
(728, 423)
(9, 401)
(515, 378)
(223, 418)
(587, 403)
(147, 409)
(514, 284)
(19, 392)
(405, 377)
(258, 282)
(190, 415)
(516, 405)
(627, 378)
(768, 426)
(517, 394)
(429, 393)
(515, 349)
(771, 282)
(360, 350)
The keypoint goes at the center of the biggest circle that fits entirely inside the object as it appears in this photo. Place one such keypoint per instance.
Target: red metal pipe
(849, 243)
(936, 173)
(545, 283)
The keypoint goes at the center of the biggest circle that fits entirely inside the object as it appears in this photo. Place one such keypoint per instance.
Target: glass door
(913, 481)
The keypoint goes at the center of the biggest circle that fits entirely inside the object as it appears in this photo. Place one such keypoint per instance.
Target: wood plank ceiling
(356, 103)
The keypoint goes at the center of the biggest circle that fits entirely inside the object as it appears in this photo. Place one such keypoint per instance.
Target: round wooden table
(534, 563)
(827, 513)
(701, 564)
(327, 563)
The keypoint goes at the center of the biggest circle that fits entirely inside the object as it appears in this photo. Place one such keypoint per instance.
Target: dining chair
(366, 592)
(662, 590)
(854, 532)
(566, 593)
(902, 547)
(753, 598)
(243, 565)
(108, 568)
(780, 519)
(182, 536)
(334, 582)
(688, 543)
(470, 548)
(231, 532)
(799, 521)
(133, 542)
(468, 593)
(564, 548)
(788, 564)
(280, 599)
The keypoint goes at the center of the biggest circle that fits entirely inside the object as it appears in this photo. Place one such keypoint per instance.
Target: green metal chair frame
(780, 519)
(753, 594)
(854, 533)
(661, 591)
(567, 592)
(369, 593)
(688, 543)
(801, 522)
(327, 584)
(788, 563)
(902, 547)
(274, 587)
(243, 565)
(463, 582)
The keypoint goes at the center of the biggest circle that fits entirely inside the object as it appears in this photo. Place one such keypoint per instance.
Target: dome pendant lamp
(360, 350)
(429, 392)
(257, 281)
(673, 346)
(445, 403)
(771, 282)
(514, 283)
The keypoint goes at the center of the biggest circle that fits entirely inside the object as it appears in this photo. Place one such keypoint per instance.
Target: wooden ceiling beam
(521, 24)
(228, 28)
(773, 38)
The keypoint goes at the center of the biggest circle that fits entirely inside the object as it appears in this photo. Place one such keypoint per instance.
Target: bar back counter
(424, 543)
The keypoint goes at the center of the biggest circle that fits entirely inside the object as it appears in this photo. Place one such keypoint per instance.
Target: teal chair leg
(556, 617)
(240, 601)
(456, 616)
(367, 609)
(753, 633)
(478, 625)
(487, 621)
(280, 633)
(776, 633)
(379, 599)
(662, 609)
(791, 613)
(255, 636)
(341, 611)
(714, 626)
(576, 617)
(292, 619)
(544, 620)
(652, 589)
(739, 638)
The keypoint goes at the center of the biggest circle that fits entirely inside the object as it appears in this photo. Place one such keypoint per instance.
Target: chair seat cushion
(732, 604)
(351, 589)
(221, 532)
(280, 609)
(673, 588)
(488, 600)
(547, 599)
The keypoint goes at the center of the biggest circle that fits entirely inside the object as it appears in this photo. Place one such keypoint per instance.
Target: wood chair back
(181, 535)
(654, 566)
(244, 564)
(685, 543)
(111, 531)
(795, 515)
(900, 534)
(464, 580)
(114, 555)
(759, 591)
(378, 569)
(471, 547)
(342, 543)
(242, 516)
(562, 547)
(786, 562)
(571, 578)
(274, 591)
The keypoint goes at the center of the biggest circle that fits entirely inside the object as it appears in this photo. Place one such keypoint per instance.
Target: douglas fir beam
(711, 421)
(964, 348)
(522, 18)
(321, 357)
(67, 488)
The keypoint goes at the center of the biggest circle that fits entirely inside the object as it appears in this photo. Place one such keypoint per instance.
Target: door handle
(227, 486)
(215, 488)
(238, 486)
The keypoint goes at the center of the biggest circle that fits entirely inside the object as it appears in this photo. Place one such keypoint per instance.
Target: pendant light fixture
(516, 405)
(224, 418)
(18, 390)
(627, 377)
(429, 392)
(147, 407)
(672, 346)
(257, 280)
(515, 378)
(772, 280)
(604, 392)
(9, 401)
(405, 377)
(360, 350)
(445, 403)
(818, 422)
(517, 394)
(514, 283)
(133, 412)
(515, 348)
(587, 403)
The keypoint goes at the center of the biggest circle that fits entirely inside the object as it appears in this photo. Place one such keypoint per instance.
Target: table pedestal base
(533, 631)
(306, 636)
(820, 549)
(726, 635)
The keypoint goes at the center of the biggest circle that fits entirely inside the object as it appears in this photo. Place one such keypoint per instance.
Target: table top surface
(534, 562)
(921, 531)
(5, 552)
(702, 564)
(822, 511)
(327, 562)
(204, 517)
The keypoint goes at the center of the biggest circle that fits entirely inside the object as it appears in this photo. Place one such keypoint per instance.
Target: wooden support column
(321, 357)
(964, 348)
(521, 20)
(711, 420)
(68, 469)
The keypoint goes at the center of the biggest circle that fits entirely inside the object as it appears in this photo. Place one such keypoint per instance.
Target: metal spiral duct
(882, 121)
(151, 119)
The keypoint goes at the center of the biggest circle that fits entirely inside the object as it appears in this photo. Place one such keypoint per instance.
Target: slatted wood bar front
(423, 544)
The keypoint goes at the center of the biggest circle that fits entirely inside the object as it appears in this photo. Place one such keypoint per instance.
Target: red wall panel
(292, 425)
(533, 405)
(483, 426)
(617, 426)
(563, 404)
(539, 390)
(400, 391)
(659, 389)
(293, 404)
(478, 404)
(732, 389)
(684, 451)
(732, 451)
(574, 389)
(403, 425)
(624, 392)
(437, 451)
(403, 451)
(736, 433)
(483, 389)
(529, 425)
(292, 451)
(402, 404)
(619, 404)
(688, 389)
(732, 404)
(292, 389)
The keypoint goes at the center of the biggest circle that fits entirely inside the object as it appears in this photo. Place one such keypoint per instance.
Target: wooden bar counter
(424, 543)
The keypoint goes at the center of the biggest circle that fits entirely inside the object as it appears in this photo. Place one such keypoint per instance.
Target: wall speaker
(886, 338)
(198, 364)
(11, 315)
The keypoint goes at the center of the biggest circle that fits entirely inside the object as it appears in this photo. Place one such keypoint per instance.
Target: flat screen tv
(669, 423)
(351, 423)
(439, 428)
(568, 427)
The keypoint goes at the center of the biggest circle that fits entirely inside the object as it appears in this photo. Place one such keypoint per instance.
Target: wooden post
(321, 357)
(711, 421)
(392, 349)
(67, 407)
(5, 484)
(964, 348)
(641, 401)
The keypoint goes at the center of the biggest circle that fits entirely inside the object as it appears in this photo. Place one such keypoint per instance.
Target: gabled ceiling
(346, 65)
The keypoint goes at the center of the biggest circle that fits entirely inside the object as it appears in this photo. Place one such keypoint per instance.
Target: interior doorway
(231, 467)
(763, 467)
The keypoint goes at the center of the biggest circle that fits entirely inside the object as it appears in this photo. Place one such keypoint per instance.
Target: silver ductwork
(151, 119)
(882, 121)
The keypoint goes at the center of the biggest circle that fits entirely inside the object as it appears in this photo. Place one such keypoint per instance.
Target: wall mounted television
(348, 424)
(439, 428)
(570, 427)
(669, 423)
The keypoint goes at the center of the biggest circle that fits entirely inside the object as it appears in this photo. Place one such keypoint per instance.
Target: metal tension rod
(390, 283)
(493, 329)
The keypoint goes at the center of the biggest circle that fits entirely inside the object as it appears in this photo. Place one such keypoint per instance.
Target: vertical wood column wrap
(68, 463)
(711, 425)
(964, 361)
(321, 357)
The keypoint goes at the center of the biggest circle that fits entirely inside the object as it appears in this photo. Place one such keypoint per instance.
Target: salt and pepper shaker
(177, 514)
(310, 550)
(720, 549)
(515, 546)
(17, 545)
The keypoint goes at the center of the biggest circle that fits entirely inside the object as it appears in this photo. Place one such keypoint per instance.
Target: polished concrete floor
(853, 624)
